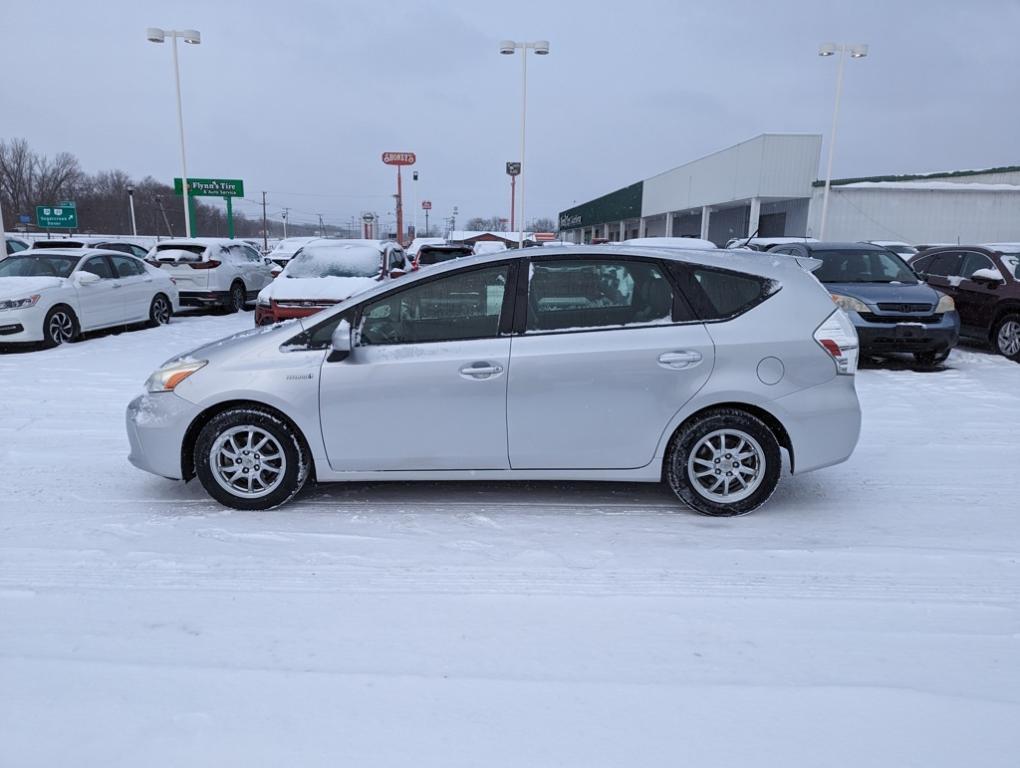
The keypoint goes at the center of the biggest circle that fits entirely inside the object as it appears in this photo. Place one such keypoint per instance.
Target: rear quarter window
(719, 294)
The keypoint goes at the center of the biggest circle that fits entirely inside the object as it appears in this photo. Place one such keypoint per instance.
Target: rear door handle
(679, 360)
(481, 370)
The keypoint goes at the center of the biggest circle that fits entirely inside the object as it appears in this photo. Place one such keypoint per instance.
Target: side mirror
(987, 275)
(268, 261)
(86, 278)
(341, 342)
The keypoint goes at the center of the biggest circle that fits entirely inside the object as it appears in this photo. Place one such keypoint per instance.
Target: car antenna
(749, 239)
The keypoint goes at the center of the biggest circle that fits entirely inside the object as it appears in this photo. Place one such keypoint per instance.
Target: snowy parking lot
(869, 614)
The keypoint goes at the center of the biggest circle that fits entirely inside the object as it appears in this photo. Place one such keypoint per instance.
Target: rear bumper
(823, 422)
(203, 298)
(906, 336)
(156, 425)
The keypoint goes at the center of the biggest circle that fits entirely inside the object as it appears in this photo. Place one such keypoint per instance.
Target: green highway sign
(211, 187)
(62, 216)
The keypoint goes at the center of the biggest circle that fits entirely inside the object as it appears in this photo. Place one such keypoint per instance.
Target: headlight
(849, 304)
(172, 374)
(29, 301)
(946, 304)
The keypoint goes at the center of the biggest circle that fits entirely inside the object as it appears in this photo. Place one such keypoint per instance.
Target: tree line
(29, 179)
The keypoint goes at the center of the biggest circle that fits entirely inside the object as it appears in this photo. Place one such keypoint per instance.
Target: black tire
(1004, 336)
(690, 450)
(60, 326)
(930, 360)
(294, 466)
(160, 310)
(236, 299)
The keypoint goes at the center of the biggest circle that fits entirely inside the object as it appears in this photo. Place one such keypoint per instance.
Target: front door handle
(481, 370)
(679, 360)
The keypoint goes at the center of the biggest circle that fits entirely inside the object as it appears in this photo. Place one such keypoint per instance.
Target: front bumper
(21, 326)
(902, 334)
(156, 425)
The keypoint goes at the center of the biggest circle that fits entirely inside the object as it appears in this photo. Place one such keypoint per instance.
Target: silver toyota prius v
(572, 363)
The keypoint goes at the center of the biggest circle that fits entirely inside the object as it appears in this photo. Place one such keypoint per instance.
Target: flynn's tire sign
(398, 158)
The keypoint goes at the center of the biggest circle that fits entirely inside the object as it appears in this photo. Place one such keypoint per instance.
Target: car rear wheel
(248, 458)
(723, 463)
(60, 326)
(236, 299)
(1007, 337)
(160, 310)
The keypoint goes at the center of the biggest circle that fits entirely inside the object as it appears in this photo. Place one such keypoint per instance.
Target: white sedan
(54, 295)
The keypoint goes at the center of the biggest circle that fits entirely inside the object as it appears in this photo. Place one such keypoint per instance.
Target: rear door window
(718, 294)
(127, 266)
(582, 294)
(945, 264)
(98, 265)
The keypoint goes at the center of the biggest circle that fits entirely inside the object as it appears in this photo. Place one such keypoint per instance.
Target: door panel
(136, 288)
(601, 399)
(417, 406)
(100, 302)
(975, 301)
(425, 385)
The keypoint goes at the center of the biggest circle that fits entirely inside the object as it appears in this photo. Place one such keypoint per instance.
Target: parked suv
(984, 281)
(213, 271)
(893, 311)
(583, 363)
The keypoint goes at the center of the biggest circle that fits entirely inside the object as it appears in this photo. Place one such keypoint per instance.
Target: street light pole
(856, 51)
(193, 37)
(541, 48)
(131, 203)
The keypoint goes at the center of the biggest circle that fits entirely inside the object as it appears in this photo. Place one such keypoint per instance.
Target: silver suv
(575, 363)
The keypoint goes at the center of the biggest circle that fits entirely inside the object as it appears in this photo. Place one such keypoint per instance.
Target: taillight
(838, 337)
(211, 264)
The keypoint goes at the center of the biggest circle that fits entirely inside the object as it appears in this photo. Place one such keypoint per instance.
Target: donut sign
(398, 158)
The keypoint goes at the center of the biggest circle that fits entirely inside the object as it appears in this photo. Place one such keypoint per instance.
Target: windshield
(429, 256)
(38, 265)
(1011, 261)
(864, 266)
(335, 262)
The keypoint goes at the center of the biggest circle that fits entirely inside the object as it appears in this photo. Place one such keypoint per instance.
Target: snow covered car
(14, 245)
(284, 251)
(53, 295)
(431, 254)
(213, 272)
(584, 363)
(325, 273)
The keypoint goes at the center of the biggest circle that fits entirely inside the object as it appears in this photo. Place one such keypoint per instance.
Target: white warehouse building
(770, 185)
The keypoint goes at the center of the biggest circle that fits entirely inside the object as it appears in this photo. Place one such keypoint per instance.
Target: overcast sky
(300, 97)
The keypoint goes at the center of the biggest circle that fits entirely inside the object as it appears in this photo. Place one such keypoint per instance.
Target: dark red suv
(984, 281)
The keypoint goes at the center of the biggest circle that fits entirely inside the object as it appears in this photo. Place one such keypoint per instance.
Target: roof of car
(76, 252)
(843, 246)
(203, 241)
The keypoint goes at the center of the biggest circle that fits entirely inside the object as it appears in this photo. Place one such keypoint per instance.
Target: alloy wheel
(1008, 338)
(247, 461)
(60, 328)
(726, 466)
(161, 310)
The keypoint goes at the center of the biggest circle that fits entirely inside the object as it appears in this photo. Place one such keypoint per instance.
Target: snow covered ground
(868, 615)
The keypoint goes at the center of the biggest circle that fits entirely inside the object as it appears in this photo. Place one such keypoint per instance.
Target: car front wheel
(1007, 337)
(249, 458)
(60, 326)
(725, 462)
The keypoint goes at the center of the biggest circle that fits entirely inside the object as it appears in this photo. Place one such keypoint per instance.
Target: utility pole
(286, 211)
(265, 230)
(322, 227)
(166, 221)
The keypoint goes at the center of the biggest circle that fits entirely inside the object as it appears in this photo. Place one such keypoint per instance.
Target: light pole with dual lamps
(193, 37)
(856, 51)
(507, 48)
